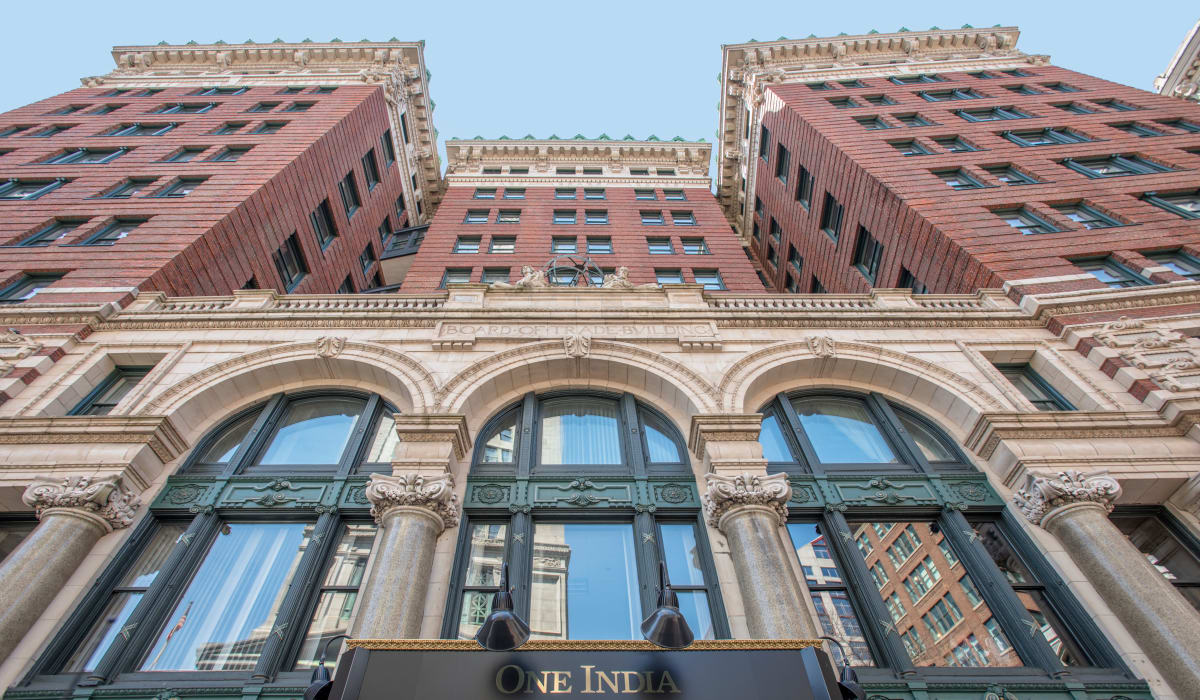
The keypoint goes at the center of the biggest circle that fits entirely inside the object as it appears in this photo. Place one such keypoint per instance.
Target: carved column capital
(432, 493)
(1045, 496)
(102, 500)
(726, 493)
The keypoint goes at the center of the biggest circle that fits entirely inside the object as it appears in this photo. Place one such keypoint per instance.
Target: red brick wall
(625, 228)
(951, 239)
(216, 238)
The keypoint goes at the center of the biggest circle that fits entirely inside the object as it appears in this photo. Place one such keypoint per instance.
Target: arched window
(582, 495)
(267, 511)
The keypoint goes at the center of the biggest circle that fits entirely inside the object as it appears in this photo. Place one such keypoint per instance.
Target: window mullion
(525, 437)
(520, 561)
(291, 617)
(895, 429)
(359, 435)
(267, 417)
(808, 455)
(649, 553)
(635, 445)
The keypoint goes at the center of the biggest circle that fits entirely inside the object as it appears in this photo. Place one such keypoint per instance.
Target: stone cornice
(541, 155)
(993, 427)
(155, 431)
(1182, 76)
(435, 427)
(722, 427)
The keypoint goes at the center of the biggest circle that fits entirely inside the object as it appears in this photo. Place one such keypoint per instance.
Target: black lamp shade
(666, 627)
(503, 630)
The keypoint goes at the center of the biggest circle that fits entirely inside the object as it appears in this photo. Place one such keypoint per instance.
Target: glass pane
(694, 606)
(499, 447)
(476, 606)
(585, 582)
(935, 608)
(774, 446)
(383, 445)
(660, 446)
(1165, 552)
(334, 608)
(222, 449)
(487, 554)
(929, 444)
(121, 605)
(842, 431)
(313, 431)
(682, 554)
(349, 559)
(224, 617)
(580, 431)
(834, 609)
(11, 535)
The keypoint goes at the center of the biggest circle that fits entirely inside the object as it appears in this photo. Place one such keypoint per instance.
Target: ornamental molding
(722, 427)
(725, 493)
(1170, 358)
(14, 346)
(1047, 495)
(155, 431)
(435, 427)
(1182, 75)
(432, 493)
(330, 346)
(103, 499)
(991, 428)
(688, 158)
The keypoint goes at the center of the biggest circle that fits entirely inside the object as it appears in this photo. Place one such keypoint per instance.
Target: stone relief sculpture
(530, 279)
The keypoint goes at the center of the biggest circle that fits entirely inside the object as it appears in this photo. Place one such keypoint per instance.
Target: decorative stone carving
(433, 493)
(822, 346)
(1044, 495)
(1171, 359)
(530, 279)
(620, 280)
(103, 498)
(725, 493)
(13, 347)
(577, 345)
(330, 346)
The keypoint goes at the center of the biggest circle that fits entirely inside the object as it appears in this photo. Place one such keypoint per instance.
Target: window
(404, 126)
(385, 230)
(86, 155)
(1182, 125)
(323, 224)
(230, 154)
(117, 92)
(291, 90)
(149, 92)
(11, 130)
(492, 275)
(660, 246)
(348, 191)
(561, 246)
(909, 281)
(872, 123)
(835, 611)
(775, 230)
(1075, 108)
(26, 287)
(346, 287)
(816, 287)
(53, 231)
(991, 115)
(184, 155)
(792, 285)
(223, 130)
(220, 91)
(47, 132)
(1178, 262)
(565, 171)
(668, 276)
(1089, 217)
(595, 216)
(467, 244)
(954, 144)
(764, 142)
(502, 244)
(324, 89)
(141, 129)
(638, 194)
(1025, 221)
(1033, 387)
(1044, 137)
(370, 169)
(476, 216)
(114, 232)
(105, 397)
(915, 79)
(1114, 166)
(693, 246)
(184, 108)
(514, 193)
(181, 187)
(1009, 175)
(910, 148)
(518, 171)
(594, 193)
(949, 95)
(455, 275)
(852, 83)
(879, 99)
(570, 192)
(843, 102)
(683, 218)
(1111, 273)
(1138, 129)
(105, 109)
(597, 171)
(804, 186)
(711, 279)
(299, 107)
(831, 217)
(1116, 105)
(1167, 544)
(959, 180)
(597, 245)
(912, 120)
(564, 216)
(289, 262)
(1060, 87)
(1185, 204)
(783, 161)
(367, 258)
(642, 172)
(867, 254)
(508, 216)
(795, 260)
(1022, 89)
(819, 86)
(485, 193)
(389, 148)
(29, 189)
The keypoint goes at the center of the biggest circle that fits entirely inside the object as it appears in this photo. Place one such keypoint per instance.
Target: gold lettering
(500, 684)
(560, 682)
(531, 678)
(629, 685)
(648, 680)
(587, 681)
(610, 681)
(666, 678)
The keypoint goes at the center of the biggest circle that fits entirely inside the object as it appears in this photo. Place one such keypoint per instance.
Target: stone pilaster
(75, 512)
(412, 510)
(1073, 506)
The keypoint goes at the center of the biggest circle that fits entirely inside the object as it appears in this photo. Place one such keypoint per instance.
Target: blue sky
(562, 67)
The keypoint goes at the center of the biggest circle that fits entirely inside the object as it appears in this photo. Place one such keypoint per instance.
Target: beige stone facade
(1182, 76)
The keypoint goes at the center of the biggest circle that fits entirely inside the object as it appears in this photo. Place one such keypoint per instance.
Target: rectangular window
(1075, 108)
(959, 180)
(299, 107)
(816, 287)
(26, 287)
(105, 397)
(872, 123)
(596, 216)
(836, 613)
(1044, 137)
(954, 144)
(114, 232)
(831, 217)
(912, 120)
(569, 192)
(795, 260)
(804, 186)
(467, 244)
(50, 233)
(7, 131)
(599, 245)
(484, 193)
(1111, 273)
(181, 187)
(1185, 204)
(389, 148)
(775, 230)
(1136, 129)
(991, 115)
(1114, 166)
(565, 171)
(404, 127)
(594, 193)
(385, 230)
(641, 194)
(1167, 545)
(852, 83)
(346, 287)
(370, 169)
(843, 102)
(1033, 387)
(867, 254)
(949, 95)
(1025, 221)
(223, 130)
(595, 171)
(184, 108)
(915, 79)
(560, 245)
(1009, 175)
(29, 189)
(508, 216)
(639, 172)
(212, 91)
(668, 276)
(674, 196)
(764, 142)
(184, 155)
(455, 275)
(289, 262)
(564, 216)
(879, 99)
(492, 275)
(660, 246)
(783, 161)
(1060, 87)
(758, 206)
(711, 279)
(694, 246)
(47, 132)
(909, 281)
(819, 86)
(502, 244)
(1089, 217)
(367, 258)
(230, 154)
(910, 148)
(1116, 105)
(348, 191)
(683, 218)
(86, 155)
(323, 224)
(476, 216)
(1182, 125)
(514, 193)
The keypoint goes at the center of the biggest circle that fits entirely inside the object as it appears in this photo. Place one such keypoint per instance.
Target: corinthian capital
(433, 493)
(1045, 495)
(101, 499)
(724, 493)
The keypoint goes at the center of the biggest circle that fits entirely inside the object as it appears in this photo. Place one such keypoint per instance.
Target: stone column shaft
(1074, 507)
(75, 513)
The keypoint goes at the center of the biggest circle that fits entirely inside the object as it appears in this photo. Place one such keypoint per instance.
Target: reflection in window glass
(338, 594)
(131, 588)
(585, 582)
(829, 596)
(929, 444)
(11, 534)
(229, 607)
(482, 577)
(660, 447)
(313, 431)
(580, 430)
(842, 431)
(383, 445)
(1173, 559)
(771, 438)
(937, 611)
(499, 447)
(224, 447)
(682, 556)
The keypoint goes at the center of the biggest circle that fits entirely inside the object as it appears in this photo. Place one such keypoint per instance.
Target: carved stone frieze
(13, 347)
(1045, 495)
(103, 498)
(727, 492)
(1171, 359)
(433, 493)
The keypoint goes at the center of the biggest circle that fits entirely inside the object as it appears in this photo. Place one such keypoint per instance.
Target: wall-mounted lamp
(503, 630)
(848, 680)
(321, 681)
(666, 627)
